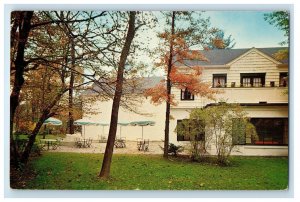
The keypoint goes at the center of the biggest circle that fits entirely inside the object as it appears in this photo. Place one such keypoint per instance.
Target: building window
(246, 82)
(283, 79)
(186, 132)
(270, 131)
(186, 95)
(257, 82)
(219, 80)
(253, 79)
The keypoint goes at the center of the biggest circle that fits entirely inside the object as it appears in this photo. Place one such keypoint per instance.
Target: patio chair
(117, 144)
(146, 145)
(60, 140)
(75, 141)
(56, 145)
(89, 142)
(78, 143)
(41, 145)
(140, 144)
(123, 142)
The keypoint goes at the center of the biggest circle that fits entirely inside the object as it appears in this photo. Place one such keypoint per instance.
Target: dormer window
(186, 95)
(219, 80)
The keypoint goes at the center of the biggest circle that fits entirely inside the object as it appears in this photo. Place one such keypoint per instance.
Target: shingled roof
(224, 56)
(215, 57)
(143, 83)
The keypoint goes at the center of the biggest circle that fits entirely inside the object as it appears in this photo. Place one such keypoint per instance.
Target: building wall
(251, 62)
(236, 95)
(247, 150)
(154, 113)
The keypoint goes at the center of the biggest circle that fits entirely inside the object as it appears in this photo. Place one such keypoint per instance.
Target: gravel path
(131, 148)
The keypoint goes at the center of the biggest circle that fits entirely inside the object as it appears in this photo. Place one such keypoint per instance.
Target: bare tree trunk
(43, 98)
(167, 122)
(71, 118)
(16, 16)
(105, 170)
(20, 65)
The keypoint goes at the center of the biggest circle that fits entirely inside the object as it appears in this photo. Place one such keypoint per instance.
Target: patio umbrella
(52, 121)
(122, 124)
(103, 125)
(142, 123)
(84, 122)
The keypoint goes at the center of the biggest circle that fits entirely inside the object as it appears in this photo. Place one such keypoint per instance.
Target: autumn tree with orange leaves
(39, 41)
(178, 42)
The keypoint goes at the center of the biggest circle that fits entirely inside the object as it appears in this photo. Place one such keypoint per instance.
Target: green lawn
(152, 172)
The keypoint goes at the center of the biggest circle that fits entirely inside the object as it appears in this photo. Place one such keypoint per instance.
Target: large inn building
(253, 77)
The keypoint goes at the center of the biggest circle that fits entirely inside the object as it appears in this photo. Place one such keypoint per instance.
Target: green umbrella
(142, 123)
(103, 125)
(122, 124)
(53, 121)
(84, 122)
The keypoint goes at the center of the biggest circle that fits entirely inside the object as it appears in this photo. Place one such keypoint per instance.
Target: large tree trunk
(16, 16)
(71, 118)
(45, 114)
(167, 122)
(105, 170)
(43, 98)
(24, 29)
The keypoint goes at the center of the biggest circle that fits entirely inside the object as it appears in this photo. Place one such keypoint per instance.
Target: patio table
(143, 145)
(83, 143)
(49, 142)
(120, 143)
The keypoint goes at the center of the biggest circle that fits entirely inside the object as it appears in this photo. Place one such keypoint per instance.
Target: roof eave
(259, 52)
(283, 65)
(251, 104)
(216, 66)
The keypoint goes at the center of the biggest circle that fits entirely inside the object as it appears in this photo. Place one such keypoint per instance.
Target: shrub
(224, 125)
(174, 149)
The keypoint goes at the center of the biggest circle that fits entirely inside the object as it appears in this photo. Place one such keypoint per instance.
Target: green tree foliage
(225, 126)
(281, 20)
(183, 33)
(219, 41)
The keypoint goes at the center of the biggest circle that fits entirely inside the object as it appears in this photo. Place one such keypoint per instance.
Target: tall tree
(281, 20)
(219, 41)
(22, 20)
(44, 46)
(169, 68)
(178, 42)
(105, 170)
(68, 29)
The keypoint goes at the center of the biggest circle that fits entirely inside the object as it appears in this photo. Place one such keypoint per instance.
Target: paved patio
(96, 147)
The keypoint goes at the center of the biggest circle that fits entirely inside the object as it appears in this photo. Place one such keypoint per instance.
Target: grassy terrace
(152, 172)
